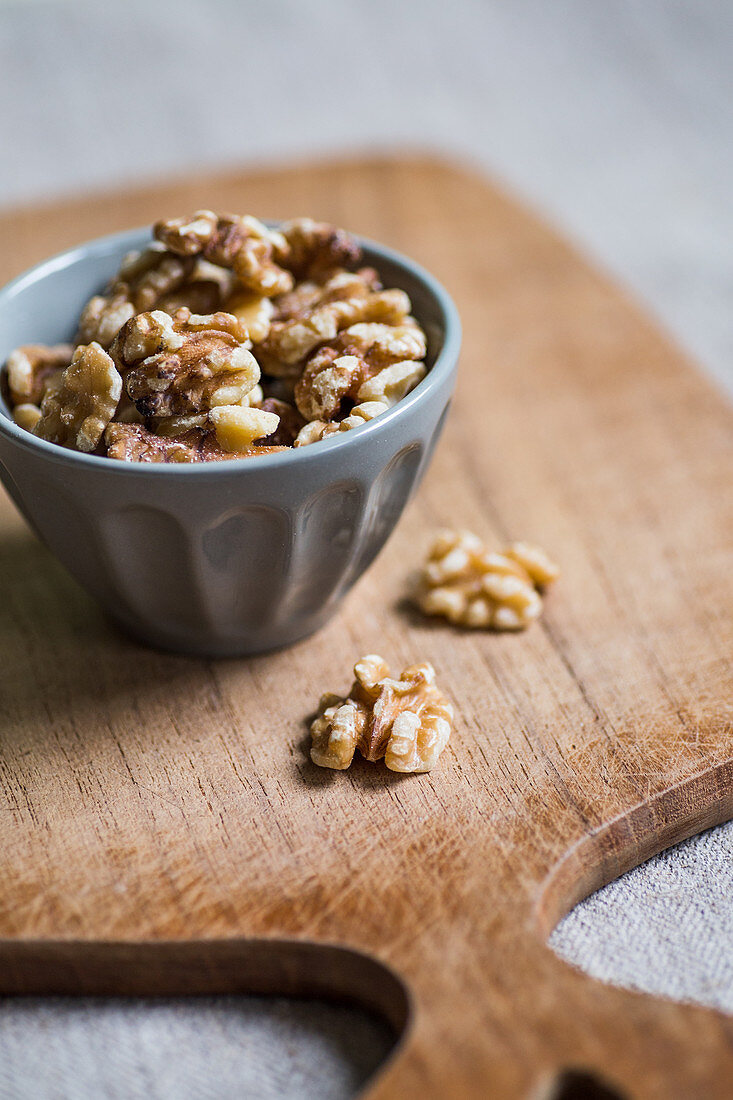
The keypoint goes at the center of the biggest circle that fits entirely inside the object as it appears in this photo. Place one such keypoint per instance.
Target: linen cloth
(225, 1048)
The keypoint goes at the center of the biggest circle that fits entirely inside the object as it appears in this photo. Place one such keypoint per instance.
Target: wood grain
(166, 803)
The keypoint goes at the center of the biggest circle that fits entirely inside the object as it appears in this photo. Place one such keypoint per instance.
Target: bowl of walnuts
(216, 426)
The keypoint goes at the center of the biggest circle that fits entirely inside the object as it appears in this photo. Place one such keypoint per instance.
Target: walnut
(135, 443)
(143, 336)
(30, 368)
(103, 316)
(186, 364)
(381, 345)
(360, 414)
(391, 383)
(205, 291)
(200, 296)
(365, 362)
(254, 397)
(153, 273)
(320, 429)
(242, 243)
(370, 276)
(290, 422)
(406, 721)
(541, 569)
(26, 416)
(316, 248)
(76, 413)
(152, 279)
(472, 586)
(344, 300)
(145, 279)
(328, 380)
(175, 426)
(187, 236)
(298, 301)
(254, 311)
(314, 432)
(237, 428)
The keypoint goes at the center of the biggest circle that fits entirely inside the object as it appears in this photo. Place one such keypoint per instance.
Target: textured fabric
(665, 927)
(225, 1048)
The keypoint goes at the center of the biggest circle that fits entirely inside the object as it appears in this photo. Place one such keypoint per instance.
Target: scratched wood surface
(160, 813)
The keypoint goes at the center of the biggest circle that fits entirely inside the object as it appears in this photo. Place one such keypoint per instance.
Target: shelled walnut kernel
(230, 339)
(77, 411)
(472, 586)
(30, 369)
(238, 242)
(321, 429)
(406, 722)
(185, 364)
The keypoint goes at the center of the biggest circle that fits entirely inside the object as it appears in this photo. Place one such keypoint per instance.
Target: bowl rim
(444, 365)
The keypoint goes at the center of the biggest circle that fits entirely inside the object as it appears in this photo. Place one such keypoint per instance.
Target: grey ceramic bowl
(221, 558)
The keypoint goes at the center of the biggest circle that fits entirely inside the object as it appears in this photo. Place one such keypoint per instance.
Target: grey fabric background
(613, 117)
(209, 1049)
(665, 927)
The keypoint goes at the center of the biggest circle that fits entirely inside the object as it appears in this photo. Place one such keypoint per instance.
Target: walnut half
(365, 362)
(76, 412)
(242, 244)
(32, 367)
(405, 721)
(470, 585)
(343, 301)
(185, 364)
(315, 430)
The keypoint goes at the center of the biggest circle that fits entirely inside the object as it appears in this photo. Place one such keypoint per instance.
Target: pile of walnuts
(223, 339)
(407, 721)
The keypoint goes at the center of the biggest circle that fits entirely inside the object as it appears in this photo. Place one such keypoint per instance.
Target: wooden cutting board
(161, 813)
